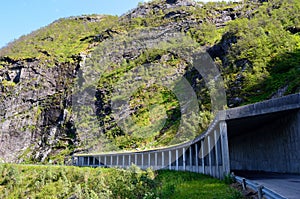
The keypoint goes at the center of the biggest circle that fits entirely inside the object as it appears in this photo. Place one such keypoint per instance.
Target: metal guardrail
(263, 192)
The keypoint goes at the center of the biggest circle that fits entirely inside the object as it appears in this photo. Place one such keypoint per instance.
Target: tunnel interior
(265, 143)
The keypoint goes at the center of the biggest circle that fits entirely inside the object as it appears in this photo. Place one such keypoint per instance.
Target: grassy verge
(32, 181)
(177, 185)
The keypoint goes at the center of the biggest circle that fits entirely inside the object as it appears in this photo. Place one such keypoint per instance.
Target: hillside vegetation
(255, 45)
(20, 181)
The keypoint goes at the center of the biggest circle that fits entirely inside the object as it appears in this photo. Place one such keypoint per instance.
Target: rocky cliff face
(37, 119)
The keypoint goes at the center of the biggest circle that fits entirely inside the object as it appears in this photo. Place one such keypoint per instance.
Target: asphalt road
(287, 185)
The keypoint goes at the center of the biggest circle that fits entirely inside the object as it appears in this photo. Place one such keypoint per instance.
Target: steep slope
(46, 75)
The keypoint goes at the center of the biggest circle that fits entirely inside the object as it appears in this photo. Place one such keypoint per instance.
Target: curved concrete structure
(263, 136)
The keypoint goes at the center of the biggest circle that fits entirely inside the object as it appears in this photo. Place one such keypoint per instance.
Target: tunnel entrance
(265, 143)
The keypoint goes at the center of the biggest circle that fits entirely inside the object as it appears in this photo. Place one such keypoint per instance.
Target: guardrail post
(259, 191)
(244, 184)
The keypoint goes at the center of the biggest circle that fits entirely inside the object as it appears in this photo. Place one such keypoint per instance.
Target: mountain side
(255, 45)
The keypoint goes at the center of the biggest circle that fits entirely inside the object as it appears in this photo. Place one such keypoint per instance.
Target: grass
(177, 185)
(33, 181)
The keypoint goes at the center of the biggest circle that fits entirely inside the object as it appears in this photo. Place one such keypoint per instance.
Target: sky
(20, 17)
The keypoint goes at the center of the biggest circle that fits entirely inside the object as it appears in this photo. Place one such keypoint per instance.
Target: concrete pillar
(209, 154)
(225, 150)
(117, 163)
(105, 161)
(135, 159)
(88, 162)
(170, 160)
(111, 160)
(202, 156)
(155, 161)
(94, 160)
(123, 161)
(196, 157)
(149, 159)
(191, 159)
(99, 160)
(129, 160)
(142, 166)
(217, 153)
(177, 165)
(183, 158)
(162, 159)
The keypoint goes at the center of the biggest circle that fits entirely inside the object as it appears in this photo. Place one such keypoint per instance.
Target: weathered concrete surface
(269, 140)
(276, 105)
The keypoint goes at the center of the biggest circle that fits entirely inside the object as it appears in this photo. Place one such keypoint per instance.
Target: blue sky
(19, 17)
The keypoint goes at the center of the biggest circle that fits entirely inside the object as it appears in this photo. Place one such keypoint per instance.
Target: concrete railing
(207, 154)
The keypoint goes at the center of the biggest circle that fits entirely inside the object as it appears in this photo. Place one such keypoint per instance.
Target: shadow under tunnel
(267, 142)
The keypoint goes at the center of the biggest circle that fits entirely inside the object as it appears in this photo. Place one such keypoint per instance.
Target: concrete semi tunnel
(265, 143)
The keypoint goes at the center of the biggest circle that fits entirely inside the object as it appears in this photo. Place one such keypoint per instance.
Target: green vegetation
(23, 181)
(256, 46)
(271, 48)
(61, 40)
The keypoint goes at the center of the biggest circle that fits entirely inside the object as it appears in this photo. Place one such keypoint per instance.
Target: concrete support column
(94, 160)
(196, 157)
(202, 156)
(149, 159)
(111, 160)
(162, 159)
(225, 150)
(216, 137)
(88, 162)
(177, 165)
(191, 158)
(117, 163)
(99, 160)
(105, 161)
(183, 158)
(129, 160)
(123, 161)
(155, 160)
(142, 166)
(209, 154)
(170, 160)
(135, 159)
